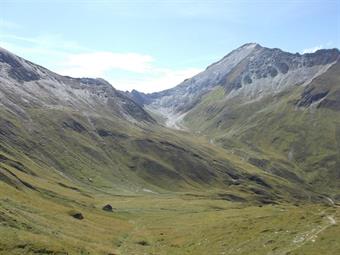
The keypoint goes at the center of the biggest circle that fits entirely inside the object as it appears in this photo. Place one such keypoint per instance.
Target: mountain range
(257, 131)
(277, 106)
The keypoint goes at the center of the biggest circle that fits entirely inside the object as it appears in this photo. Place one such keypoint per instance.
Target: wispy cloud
(51, 42)
(99, 63)
(155, 80)
(312, 49)
(140, 71)
(125, 70)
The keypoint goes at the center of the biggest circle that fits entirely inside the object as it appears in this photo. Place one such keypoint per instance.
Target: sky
(151, 45)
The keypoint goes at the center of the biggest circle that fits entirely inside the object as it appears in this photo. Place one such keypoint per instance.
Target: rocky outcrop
(309, 96)
(324, 91)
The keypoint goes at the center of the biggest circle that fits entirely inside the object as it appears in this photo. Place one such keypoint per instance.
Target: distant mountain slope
(81, 130)
(24, 84)
(277, 110)
(85, 130)
(249, 176)
(251, 71)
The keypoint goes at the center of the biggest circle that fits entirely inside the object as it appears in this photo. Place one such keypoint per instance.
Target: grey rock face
(271, 70)
(184, 96)
(323, 91)
(24, 84)
(308, 97)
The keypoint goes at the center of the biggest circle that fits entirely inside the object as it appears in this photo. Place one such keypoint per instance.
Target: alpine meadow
(243, 157)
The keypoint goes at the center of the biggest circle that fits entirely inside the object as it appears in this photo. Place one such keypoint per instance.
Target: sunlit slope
(116, 156)
(225, 186)
(41, 223)
(85, 131)
(276, 110)
(296, 130)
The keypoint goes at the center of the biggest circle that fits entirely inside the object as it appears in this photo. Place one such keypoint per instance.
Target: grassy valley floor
(34, 222)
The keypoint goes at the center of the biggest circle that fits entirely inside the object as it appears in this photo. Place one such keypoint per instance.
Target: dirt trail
(331, 219)
(308, 236)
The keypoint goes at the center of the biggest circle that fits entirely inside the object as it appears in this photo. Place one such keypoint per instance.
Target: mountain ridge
(235, 175)
(106, 122)
(181, 102)
(49, 88)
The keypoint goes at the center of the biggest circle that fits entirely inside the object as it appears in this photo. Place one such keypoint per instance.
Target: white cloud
(125, 71)
(45, 42)
(313, 49)
(140, 72)
(159, 79)
(97, 64)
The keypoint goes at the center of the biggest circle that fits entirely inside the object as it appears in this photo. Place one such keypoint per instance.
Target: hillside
(69, 146)
(85, 130)
(275, 109)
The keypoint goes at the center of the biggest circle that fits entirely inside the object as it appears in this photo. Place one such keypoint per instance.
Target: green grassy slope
(114, 155)
(172, 193)
(40, 223)
(230, 188)
(280, 134)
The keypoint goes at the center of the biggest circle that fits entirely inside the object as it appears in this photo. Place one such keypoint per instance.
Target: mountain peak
(248, 72)
(249, 45)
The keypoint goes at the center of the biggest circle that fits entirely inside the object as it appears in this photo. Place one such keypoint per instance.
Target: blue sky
(153, 45)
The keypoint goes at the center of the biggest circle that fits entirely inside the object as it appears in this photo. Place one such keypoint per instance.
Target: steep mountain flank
(24, 84)
(298, 124)
(277, 110)
(248, 73)
(256, 170)
(85, 131)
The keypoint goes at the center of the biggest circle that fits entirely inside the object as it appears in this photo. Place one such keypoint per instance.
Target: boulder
(108, 208)
(77, 215)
